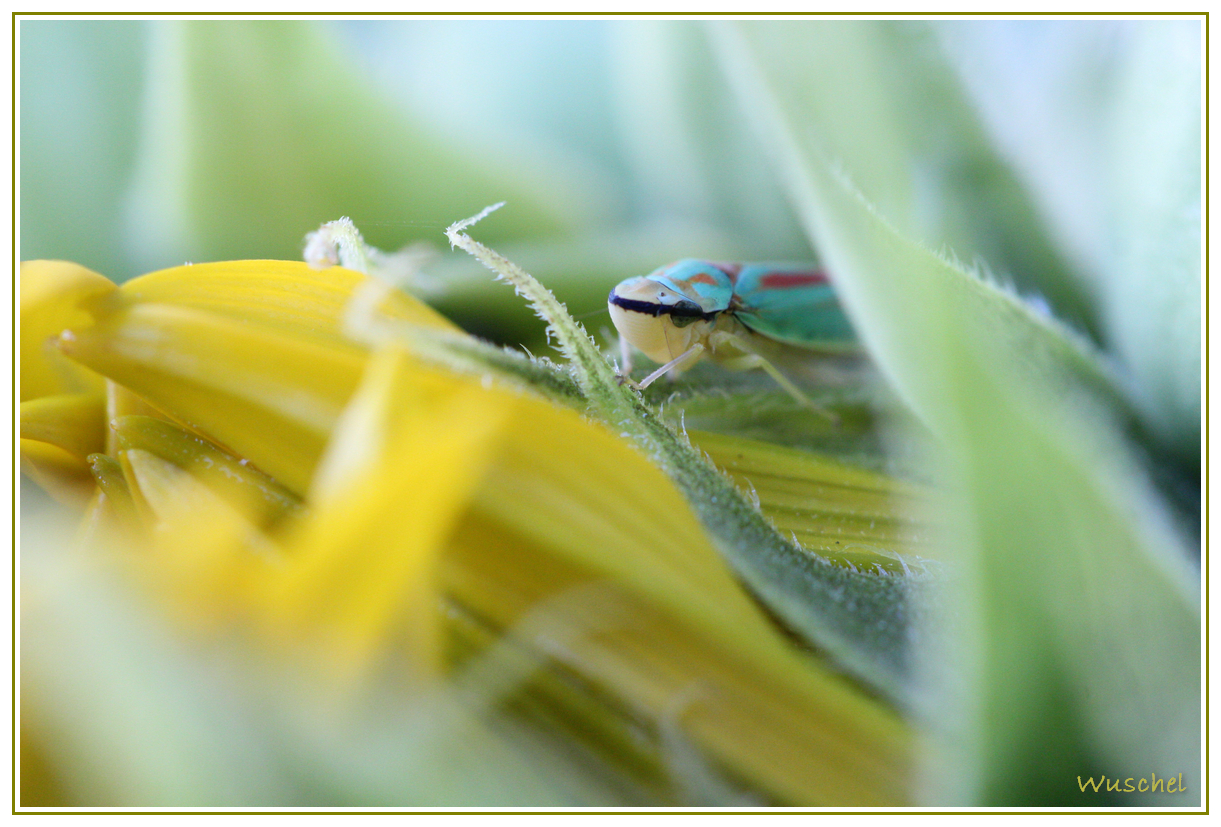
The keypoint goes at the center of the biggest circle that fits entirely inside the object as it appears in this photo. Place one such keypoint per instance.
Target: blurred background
(1060, 157)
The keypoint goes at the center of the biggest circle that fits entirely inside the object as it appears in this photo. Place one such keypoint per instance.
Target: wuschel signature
(1133, 785)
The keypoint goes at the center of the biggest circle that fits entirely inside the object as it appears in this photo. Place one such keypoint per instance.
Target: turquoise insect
(735, 314)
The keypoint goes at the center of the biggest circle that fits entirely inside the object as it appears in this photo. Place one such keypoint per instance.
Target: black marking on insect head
(682, 312)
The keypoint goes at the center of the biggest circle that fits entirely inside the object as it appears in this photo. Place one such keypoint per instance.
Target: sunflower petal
(290, 296)
(72, 422)
(52, 295)
(599, 568)
(850, 515)
(61, 474)
(263, 395)
(362, 571)
(206, 554)
(113, 511)
(228, 476)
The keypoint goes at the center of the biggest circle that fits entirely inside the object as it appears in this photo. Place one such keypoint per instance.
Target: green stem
(861, 619)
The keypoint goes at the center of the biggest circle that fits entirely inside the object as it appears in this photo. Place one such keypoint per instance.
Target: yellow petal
(850, 515)
(362, 570)
(288, 295)
(73, 422)
(205, 554)
(52, 295)
(263, 395)
(63, 475)
(253, 354)
(579, 549)
(58, 433)
(113, 514)
(264, 500)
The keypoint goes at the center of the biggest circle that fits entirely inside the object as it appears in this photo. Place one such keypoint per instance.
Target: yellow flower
(366, 537)
(60, 400)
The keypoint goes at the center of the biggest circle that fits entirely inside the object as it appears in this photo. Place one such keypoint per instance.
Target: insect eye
(685, 312)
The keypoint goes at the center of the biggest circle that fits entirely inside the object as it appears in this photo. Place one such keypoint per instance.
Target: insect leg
(693, 353)
(754, 360)
(625, 353)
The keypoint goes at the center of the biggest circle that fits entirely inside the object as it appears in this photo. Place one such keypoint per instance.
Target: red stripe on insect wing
(780, 281)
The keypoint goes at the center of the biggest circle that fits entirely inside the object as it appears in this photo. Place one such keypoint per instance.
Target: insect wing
(792, 304)
(704, 283)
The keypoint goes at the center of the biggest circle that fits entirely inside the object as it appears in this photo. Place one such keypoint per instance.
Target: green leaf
(1075, 641)
(1103, 124)
(897, 120)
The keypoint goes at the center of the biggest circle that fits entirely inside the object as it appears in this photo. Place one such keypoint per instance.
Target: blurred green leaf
(1077, 621)
(896, 119)
(80, 98)
(257, 132)
(1152, 304)
(1103, 126)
